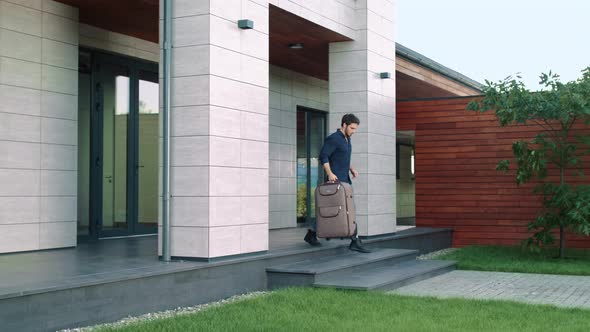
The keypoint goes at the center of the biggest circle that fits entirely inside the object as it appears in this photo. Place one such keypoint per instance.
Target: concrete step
(388, 277)
(309, 271)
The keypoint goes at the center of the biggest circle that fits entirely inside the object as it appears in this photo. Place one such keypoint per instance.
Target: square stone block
(60, 80)
(224, 241)
(19, 155)
(225, 211)
(59, 183)
(190, 120)
(226, 181)
(60, 28)
(20, 100)
(225, 122)
(59, 208)
(20, 18)
(189, 242)
(254, 238)
(20, 46)
(19, 237)
(20, 73)
(189, 211)
(225, 151)
(19, 210)
(255, 126)
(254, 210)
(57, 235)
(60, 54)
(191, 60)
(59, 105)
(19, 182)
(254, 154)
(59, 157)
(253, 182)
(190, 91)
(190, 151)
(191, 30)
(59, 131)
(189, 181)
(60, 9)
(188, 8)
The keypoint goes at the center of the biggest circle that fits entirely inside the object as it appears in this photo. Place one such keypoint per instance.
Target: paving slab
(558, 290)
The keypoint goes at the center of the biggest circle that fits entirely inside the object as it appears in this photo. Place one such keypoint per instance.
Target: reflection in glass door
(115, 92)
(147, 168)
(311, 131)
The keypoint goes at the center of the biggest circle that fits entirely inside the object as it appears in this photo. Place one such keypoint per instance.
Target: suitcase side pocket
(329, 211)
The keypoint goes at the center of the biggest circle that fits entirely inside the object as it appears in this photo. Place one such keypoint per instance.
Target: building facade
(80, 118)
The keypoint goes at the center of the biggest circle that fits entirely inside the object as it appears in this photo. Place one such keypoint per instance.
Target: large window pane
(116, 114)
(148, 149)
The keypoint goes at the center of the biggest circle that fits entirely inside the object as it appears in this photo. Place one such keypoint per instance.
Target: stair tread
(340, 261)
(384, 275)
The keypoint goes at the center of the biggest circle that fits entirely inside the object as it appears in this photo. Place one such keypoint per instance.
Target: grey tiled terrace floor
(559, 290)
(111, 259)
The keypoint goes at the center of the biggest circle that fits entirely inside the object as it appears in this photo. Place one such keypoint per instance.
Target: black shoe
(356, 245)
(311, 238)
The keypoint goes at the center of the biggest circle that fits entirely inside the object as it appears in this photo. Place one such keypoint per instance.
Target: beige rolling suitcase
(335, 213)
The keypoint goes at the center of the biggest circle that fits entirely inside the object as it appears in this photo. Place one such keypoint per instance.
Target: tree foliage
(555, 109)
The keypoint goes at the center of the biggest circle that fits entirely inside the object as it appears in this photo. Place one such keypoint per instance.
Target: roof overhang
(417, 76)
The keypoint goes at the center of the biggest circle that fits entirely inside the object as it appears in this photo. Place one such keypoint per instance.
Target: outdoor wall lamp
(385, 74)
(296, 46)
(245, 24)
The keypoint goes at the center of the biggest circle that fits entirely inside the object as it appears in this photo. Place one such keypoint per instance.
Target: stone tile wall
(288, 89)
(38, 124)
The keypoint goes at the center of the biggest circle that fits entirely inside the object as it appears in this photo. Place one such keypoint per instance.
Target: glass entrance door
(311, 131)
(147, 164)
(123, 147)
(115, 83)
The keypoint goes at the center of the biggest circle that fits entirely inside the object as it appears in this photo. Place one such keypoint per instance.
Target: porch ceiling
(137, 18)
(287, 28)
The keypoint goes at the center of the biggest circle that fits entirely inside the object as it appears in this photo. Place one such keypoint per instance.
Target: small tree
(555, 109)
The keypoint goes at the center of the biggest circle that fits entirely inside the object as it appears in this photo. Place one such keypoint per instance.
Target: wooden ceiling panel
(407, 87)
(137, 18)
(287, 28)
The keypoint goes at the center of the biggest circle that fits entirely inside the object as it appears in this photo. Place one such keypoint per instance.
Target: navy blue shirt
(337, 151)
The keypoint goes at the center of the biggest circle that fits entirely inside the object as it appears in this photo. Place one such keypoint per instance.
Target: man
(335, 157)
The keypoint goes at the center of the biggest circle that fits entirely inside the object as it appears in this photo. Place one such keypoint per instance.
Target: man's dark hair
(349, 118)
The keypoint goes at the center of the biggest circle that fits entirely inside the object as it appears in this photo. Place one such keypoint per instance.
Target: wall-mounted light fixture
(296, 46)
(385, 74)
(245, 24)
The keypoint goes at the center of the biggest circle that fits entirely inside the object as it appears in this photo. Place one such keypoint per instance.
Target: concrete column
(356, 87)
(38, 125)
(219, 146)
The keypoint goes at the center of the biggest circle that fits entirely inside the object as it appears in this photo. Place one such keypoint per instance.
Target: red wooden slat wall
(457, 185)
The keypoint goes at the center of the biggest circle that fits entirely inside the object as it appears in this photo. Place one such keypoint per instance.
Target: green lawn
(308, 309)
(516, 259)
